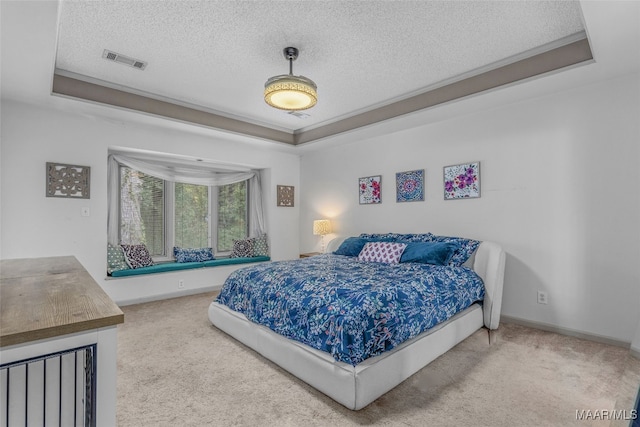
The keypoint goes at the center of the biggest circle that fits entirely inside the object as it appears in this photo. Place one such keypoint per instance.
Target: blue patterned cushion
(466, 248)
(242, 248)
(115, 259)
(437, 253)
(260, 246)
(422, 237)
(137, 255)
(389, 237)
(192, 254)
(398, 237)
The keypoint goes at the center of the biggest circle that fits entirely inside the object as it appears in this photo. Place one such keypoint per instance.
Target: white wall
(635, 344)
(559, 177)
(559, 184)
(37, 226)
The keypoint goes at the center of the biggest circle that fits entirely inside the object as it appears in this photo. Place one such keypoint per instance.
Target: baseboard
(182, 293)
(566, 331)
(635, 352)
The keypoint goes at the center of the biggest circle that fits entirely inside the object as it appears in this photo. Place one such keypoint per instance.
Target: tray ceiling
(207, 61)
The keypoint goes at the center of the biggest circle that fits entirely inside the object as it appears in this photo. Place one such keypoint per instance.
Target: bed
(336, 361)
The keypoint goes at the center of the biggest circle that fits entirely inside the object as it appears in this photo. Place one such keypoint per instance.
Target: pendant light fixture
(289, 92)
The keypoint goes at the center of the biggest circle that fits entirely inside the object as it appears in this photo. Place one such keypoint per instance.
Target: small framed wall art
(462, 181)
(369, 189)
(285, 195)
(70, 181)
(410, 186)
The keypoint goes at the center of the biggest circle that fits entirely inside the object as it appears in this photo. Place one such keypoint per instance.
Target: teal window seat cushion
(175, 266)
(229, 261)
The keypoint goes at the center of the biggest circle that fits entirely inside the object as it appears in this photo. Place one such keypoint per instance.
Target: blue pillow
(437, 253)
(466, 248)
(352, 246)
(192, 254)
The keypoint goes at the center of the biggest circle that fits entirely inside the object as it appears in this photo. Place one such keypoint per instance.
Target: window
(163, 214)
(233, 219)
(142, 210)
(191, 215)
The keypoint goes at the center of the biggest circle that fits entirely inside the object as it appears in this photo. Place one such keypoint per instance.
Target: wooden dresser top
(49, 297)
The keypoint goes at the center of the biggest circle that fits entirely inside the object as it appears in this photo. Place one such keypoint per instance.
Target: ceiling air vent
(116, 57)
(298, 114)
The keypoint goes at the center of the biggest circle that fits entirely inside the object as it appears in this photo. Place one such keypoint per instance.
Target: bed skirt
(352, 386)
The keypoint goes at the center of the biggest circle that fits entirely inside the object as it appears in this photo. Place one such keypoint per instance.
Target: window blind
(142, 210)
(163, 167)
(191, 215)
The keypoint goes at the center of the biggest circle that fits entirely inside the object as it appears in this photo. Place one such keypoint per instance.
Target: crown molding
(551, 60)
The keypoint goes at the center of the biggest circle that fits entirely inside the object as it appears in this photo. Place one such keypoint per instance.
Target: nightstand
(309, 254)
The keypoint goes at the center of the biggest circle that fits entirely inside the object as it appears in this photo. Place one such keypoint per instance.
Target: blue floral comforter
(351, 309)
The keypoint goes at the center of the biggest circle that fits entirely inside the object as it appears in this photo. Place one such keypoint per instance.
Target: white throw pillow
(387, 252)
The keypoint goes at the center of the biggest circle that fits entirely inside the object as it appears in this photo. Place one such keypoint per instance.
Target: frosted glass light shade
(291, 93)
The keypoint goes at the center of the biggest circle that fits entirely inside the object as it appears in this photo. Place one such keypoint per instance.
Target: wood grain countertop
(49, 297)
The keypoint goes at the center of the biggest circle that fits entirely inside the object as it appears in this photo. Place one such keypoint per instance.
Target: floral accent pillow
(192, 254)
(115, 259)
(260, 246)
(242, 248)
(137, 256)
(386, 252)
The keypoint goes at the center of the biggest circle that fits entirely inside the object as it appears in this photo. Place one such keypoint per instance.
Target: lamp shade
(321, 227)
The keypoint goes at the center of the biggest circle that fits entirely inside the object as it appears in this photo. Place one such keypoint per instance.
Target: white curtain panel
(180, 171)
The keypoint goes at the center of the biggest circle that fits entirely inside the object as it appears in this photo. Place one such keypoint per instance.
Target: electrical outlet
(542, 297)
(180, 284)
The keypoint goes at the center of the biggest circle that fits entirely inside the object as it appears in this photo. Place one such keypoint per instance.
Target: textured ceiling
(216, 55)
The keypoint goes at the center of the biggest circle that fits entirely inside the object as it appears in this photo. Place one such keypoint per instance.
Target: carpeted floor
(176, 369)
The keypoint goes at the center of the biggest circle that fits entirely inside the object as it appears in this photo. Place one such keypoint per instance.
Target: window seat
(175, 266)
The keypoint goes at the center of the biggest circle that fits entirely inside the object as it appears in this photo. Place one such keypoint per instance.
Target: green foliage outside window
(143, 207)
(232, 214)
(191, 216)
(142, 210)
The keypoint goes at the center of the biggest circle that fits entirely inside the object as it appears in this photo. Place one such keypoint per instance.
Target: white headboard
(489, 265)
